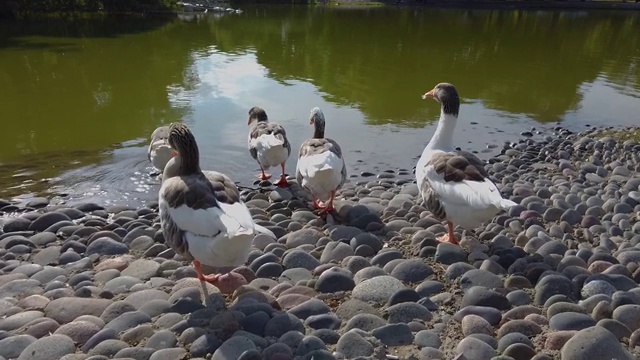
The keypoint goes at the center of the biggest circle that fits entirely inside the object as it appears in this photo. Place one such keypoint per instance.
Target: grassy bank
(23, 8)
(526, 4)
(495, 4)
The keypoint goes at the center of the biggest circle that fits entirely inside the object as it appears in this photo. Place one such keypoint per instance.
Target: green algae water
(80, 97)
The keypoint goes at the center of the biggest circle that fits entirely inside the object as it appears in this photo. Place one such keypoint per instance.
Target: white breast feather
(419, 175)
(421, 166)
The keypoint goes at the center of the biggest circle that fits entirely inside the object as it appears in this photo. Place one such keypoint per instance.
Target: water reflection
(530, 63)
(78, 99)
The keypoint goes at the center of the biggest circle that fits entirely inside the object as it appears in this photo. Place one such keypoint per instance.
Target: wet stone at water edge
(555, 277)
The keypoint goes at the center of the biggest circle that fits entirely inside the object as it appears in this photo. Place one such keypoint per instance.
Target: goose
(159, 151)
(321, 168)
(454, 184)
(201, 214)
(268, 144)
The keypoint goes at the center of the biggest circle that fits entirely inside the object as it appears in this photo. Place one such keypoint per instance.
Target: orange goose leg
(283, 179)
(226, 283)
(315, 203)
(329, 205)
(211, 279)
(450, 237)
(263, 176)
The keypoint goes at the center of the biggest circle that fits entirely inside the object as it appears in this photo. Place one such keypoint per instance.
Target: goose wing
(458, 178)
(203, 205)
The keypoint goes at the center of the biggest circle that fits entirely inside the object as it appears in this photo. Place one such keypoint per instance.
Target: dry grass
(621, 134)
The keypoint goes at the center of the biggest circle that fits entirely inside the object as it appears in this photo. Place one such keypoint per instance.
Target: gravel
(554, 277)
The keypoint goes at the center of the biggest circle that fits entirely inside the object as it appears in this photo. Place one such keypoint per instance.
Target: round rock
(49, 347)
(594, 343)
(378, 289)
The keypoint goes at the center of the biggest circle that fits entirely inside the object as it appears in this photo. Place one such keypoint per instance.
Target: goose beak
(428, 95)
(175, 153)
(249, 121)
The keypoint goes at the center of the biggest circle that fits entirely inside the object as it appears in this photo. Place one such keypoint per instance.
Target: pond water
(79, 98)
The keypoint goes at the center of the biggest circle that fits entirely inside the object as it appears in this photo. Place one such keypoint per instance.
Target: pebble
(366, 322)
(233, 348)
(65, 310)
(142, 269)
(427, 338)
(12, 347)
(352, 345)
(50, 347)
(474, 324)
(629, 315)
(394, 334)
(106, 246)
(513, 338)
(479, 277)
(449, 254)
(411, 271)
(472, 348)
(407, 311)
(79, 331)
(377, 289)
(594, 343)
(207, 343)
(492, 315)
(482, 296)
(571, 321)
(551, 285)
(334, 280)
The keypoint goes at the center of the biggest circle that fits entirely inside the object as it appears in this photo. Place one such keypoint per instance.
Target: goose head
(317, 120)
(257, 114)
(447, 95)
(186, 155)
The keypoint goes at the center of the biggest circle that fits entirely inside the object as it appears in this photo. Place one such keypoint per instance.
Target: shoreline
(59, 193)
(521, 5)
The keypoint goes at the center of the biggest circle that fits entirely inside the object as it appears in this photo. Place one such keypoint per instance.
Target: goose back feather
(268, 142)
(321, 167)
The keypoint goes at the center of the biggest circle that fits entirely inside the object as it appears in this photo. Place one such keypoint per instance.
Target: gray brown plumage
(202, 191)
(202, 217)
(459, 166)
(198, 192)
(454, 166)
(321, 168)
(317, 146)
(454, 184)
(264, 128)
(268, 143)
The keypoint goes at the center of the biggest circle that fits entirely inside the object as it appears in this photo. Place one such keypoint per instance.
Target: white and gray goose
(202, 216)
(159, 152)
(268, 144)
(321, 168)
(454, 184)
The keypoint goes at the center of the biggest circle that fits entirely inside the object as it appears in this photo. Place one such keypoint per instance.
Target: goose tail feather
(263, 230)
